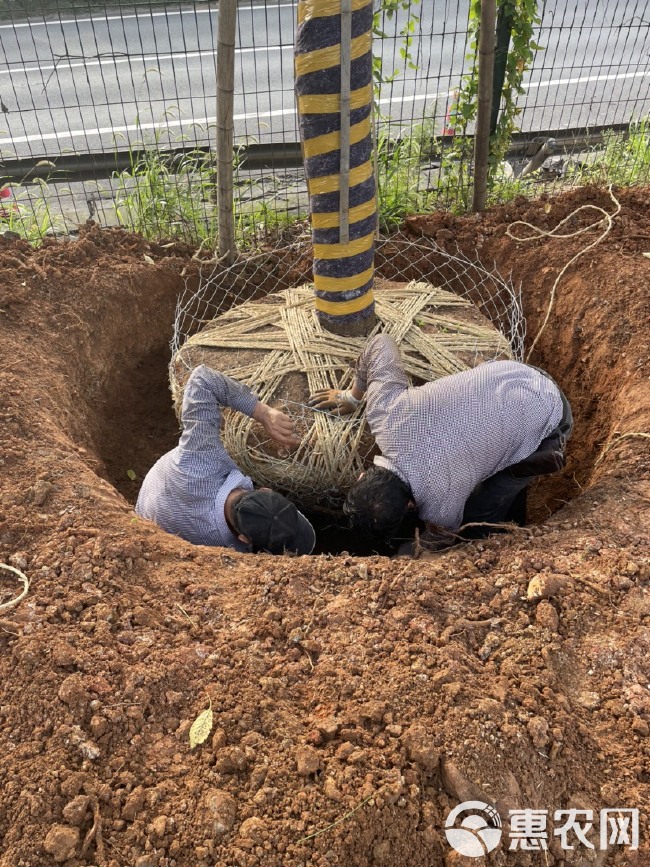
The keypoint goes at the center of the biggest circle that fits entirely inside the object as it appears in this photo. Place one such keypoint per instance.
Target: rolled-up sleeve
(380, 364)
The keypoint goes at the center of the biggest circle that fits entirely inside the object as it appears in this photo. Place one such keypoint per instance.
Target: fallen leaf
(148, 260)
(647, 255)
(132, 475)
(201, 727)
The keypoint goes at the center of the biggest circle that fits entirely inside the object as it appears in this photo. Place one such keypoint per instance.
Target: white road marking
(147, 58)
(203, 121)
(102, 18)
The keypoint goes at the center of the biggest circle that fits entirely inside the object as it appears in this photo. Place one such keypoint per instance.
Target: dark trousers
(502, 497)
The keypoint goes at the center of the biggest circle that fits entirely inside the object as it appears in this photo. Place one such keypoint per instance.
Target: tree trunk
(334, 94)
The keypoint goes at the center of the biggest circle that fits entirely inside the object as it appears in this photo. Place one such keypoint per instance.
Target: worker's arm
(207, 392)
(379, 365)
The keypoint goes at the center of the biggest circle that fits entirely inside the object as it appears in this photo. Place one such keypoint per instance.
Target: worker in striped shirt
(461, 450)
(197, 492)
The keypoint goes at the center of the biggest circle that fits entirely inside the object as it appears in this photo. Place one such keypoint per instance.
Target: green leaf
(132, 475)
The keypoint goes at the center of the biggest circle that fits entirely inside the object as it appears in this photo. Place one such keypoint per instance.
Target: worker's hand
(333, 400)
(277, 424)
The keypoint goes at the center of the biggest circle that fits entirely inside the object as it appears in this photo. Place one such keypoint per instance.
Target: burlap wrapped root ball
(278, 348)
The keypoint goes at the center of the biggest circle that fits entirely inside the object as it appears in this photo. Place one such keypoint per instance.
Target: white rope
(606, 220)
(25, 581)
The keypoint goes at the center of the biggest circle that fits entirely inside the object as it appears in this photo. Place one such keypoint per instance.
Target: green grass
(28, 214)
(399, 166)
(623, 159)
(167, 199)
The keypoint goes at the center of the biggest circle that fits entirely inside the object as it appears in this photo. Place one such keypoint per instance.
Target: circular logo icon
(477, 833)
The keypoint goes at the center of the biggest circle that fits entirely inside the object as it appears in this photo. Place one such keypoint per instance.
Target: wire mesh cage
(255, 321)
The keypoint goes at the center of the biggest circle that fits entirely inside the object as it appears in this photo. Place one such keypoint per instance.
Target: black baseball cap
(273, 524)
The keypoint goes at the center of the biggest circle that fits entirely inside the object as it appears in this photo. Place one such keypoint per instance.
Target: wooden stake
(344, 184)
(485, 78)
(225, 126)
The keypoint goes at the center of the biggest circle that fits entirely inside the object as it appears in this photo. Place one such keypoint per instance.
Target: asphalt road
(91, 84)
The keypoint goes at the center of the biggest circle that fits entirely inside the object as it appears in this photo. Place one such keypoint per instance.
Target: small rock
(543, 586)
(133, 804)
(76, 810)
(253, 829)
(538, 731)
(218, 740)
(392, 791)
(73, 691)
(590, 700)
(63, 654)
(307, 760)
(98, 726)
(61, 842)
(72, 784)
(328, 727)
(231, 760)
(373, 711)
(331, 791)
(344, 751)
(356, 757)
(221, 810)
(418, 743)
(41, 491)
(150, 860)
(158, 827)
(640, 727)
(546, 616)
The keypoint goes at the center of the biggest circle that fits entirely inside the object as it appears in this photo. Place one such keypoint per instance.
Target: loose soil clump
(358, 697)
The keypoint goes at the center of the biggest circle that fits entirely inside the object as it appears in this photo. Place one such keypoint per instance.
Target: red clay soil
(391, 688)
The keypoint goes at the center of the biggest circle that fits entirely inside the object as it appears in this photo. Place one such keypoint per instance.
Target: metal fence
(111, 115)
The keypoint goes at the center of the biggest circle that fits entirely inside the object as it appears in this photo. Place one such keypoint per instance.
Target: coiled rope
(605, 220)
(23, 578)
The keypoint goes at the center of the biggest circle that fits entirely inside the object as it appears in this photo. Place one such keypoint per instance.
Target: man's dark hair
(377, 503)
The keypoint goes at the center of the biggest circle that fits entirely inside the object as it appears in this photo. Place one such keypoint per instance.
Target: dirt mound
(360, 697)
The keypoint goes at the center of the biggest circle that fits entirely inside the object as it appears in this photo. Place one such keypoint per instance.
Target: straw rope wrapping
(281, 336)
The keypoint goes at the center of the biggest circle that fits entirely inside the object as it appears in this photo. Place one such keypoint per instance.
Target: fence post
(485, 79)
(225, 126)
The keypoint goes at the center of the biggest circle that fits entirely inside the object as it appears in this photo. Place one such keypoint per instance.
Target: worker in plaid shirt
(196, 491)
(461, 450)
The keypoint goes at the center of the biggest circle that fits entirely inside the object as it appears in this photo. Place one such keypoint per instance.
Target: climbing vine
(388, 9)
(524, 17)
